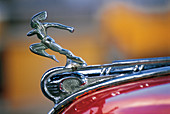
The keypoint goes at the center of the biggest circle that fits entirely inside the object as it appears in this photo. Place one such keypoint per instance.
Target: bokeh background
(105, 30)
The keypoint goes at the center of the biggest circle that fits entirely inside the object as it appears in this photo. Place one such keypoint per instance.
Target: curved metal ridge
(63, 85)
(114, 82)
(130, 62)
(97, 71)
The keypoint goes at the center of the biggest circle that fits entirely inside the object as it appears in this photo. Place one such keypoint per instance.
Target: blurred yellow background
(105, 30)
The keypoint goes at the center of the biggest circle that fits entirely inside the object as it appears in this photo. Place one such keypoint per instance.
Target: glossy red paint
(149, 96)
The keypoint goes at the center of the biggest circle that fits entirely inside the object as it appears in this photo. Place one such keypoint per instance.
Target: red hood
(150, 96)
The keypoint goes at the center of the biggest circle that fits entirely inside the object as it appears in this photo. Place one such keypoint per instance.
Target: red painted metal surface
(149, 96)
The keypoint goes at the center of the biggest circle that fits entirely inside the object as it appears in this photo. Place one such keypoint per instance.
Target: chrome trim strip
(116, 81)
(98, 76)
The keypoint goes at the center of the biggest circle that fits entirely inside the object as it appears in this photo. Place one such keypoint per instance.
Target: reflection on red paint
(149, 96)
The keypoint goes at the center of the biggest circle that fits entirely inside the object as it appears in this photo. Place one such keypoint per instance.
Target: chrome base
(63, 85)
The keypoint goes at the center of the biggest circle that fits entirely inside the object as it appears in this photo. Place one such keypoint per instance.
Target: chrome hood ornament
(40, 29)
(67, 83)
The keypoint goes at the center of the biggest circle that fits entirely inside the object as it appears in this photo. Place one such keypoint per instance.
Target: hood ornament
(63, 85)
(40, 29)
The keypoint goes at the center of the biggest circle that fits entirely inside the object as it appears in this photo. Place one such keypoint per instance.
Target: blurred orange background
(105, 30)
